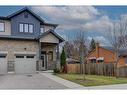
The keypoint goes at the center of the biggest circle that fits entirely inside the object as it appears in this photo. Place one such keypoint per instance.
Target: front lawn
(93, 80)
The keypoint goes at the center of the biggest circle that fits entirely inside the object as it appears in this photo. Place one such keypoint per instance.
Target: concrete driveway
(34, 81)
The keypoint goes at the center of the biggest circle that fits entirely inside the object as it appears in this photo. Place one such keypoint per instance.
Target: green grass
(92, 80)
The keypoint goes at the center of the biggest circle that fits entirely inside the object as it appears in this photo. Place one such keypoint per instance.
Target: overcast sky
(93, 20)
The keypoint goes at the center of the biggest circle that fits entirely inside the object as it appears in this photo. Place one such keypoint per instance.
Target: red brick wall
(109, 56)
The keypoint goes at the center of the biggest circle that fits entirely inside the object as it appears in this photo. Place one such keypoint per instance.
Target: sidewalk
(69, 84)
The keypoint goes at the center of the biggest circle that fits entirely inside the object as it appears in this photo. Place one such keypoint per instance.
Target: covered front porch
(49, 51)
(49, 54)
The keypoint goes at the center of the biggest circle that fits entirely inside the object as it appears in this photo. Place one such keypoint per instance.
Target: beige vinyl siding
(7, 27)
(50, 38)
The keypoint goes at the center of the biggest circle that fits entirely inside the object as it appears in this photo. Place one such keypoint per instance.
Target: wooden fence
(97, 69)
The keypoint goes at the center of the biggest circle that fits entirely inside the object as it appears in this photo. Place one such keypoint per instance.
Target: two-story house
(27, 43)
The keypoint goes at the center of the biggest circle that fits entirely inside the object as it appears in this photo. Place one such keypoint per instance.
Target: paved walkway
(109, 87)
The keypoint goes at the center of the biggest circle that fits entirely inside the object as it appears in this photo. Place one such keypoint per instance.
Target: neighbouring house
(106, 54)
(27, 43)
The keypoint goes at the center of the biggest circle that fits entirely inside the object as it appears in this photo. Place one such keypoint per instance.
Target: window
(2, 56)
(93, 60)
(30, 28)
(30, 56)
(42, 30)
(50, 55)
(100, 61)
(20, 27)
(1, 27)
(27, 28)
(19, 56)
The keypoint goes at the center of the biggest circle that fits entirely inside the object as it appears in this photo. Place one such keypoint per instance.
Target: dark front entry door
(43, 58)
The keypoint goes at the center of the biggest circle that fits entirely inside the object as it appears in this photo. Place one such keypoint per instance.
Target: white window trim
(3, 27)
(28, 26)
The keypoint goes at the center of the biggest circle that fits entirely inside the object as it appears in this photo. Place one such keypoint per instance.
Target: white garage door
(25, 64)
(3, 64)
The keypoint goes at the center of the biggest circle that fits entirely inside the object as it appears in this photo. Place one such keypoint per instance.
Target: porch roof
(52, 32)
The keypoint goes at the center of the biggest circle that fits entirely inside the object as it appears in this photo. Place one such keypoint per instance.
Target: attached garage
(25, 63)
(3, 62)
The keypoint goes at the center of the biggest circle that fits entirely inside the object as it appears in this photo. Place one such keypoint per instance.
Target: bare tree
(117, 36)
(81, 45)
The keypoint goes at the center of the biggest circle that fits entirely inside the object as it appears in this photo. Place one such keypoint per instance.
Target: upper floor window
(30, 28)
(27, 28)
(1, 26)
(42, 29)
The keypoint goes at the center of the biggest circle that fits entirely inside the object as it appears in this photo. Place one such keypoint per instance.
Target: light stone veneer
(12, 46)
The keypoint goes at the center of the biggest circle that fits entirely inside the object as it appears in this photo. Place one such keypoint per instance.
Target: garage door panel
(3, 64)
(25, 64)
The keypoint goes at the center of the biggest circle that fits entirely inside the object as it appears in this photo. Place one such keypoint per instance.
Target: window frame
(4, 26)
(28, 27)
(22, 27)
(41, 28)
(32, 28)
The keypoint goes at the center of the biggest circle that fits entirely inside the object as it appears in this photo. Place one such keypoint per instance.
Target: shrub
(56, 71)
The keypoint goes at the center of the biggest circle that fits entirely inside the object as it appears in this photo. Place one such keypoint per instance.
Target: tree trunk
(116, 65)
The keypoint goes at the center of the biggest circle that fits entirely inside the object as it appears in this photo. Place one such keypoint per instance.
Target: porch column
(57, 57)
(39, 57)
(39, 50)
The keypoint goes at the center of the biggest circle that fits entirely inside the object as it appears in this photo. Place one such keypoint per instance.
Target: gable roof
(32, 13)
(28, 10)
(52, 32)
(122, 51)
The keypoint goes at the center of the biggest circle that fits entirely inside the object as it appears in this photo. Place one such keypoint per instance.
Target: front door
(43, 58)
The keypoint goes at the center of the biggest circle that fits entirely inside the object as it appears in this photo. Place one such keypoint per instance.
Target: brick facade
(108, 55)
